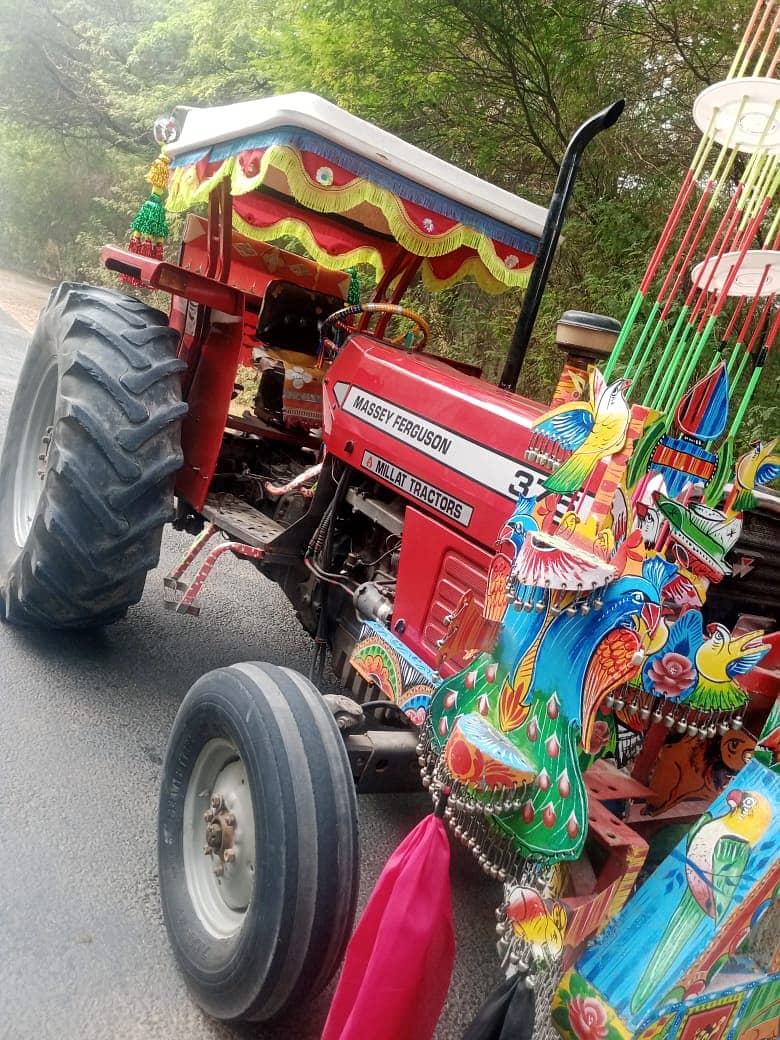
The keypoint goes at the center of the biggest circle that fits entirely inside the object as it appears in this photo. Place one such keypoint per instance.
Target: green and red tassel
(149, 230)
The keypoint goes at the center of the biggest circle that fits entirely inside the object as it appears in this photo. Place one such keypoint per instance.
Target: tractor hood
(447, 442)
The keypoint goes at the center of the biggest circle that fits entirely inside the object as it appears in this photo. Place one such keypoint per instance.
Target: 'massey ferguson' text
(410, 429)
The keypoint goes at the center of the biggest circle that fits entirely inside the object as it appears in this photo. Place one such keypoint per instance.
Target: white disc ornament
(746, 113)
(713, 274)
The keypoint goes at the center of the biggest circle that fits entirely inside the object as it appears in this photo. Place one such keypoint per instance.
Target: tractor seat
(290, 317)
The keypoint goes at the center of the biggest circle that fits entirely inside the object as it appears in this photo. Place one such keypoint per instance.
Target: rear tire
(254, 945)
(88, 462)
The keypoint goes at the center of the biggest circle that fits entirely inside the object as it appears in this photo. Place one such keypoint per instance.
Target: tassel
(353, 295)
(150, 228)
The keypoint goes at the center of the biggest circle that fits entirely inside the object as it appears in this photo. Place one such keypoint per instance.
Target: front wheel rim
(220, 876)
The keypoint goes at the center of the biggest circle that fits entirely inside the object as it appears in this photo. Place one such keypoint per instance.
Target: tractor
(275, 416)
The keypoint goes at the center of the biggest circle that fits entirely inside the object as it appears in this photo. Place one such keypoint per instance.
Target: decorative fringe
(184, 191)
(150, 228)
(300, 230)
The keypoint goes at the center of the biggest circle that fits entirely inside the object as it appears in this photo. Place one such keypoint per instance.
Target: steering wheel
(337, 318)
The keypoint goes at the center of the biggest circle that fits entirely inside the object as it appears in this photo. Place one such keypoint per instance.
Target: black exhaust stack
(567, 175)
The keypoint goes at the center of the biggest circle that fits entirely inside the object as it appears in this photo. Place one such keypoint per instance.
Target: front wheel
(258, 845)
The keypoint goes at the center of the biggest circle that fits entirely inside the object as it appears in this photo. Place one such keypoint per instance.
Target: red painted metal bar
(171, 579)
(725, 227)
(187, 604)
(219, 231)
(159, 274)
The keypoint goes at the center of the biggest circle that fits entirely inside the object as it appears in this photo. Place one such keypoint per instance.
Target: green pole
(745, 400)
(628, 324)
(669, 362)
(651, 318)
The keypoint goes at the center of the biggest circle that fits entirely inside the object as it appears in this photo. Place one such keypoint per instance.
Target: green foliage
(495, 86)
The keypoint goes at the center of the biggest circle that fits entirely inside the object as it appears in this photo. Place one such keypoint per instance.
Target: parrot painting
(760, 465)
(518, 525)
(713, 660)
(716, 856)
(591, 431)
(719, 660)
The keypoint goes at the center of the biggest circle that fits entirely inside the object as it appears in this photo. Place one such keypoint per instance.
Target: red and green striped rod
(683, 196)
(743, 207)
(687, 247)
(753, 33)
(749, 351)
(707, 324)
(690, 310)
(749, 39)
(761, 359)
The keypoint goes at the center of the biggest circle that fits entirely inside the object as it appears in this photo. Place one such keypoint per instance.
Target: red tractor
(367, 477)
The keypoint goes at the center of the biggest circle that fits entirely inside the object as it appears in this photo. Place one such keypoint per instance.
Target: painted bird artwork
(760, 465)
(716, 856)
(540, 922)
(590, 430)
(701, 666)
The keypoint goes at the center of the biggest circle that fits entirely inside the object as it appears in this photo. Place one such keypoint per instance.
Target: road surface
(85, 719)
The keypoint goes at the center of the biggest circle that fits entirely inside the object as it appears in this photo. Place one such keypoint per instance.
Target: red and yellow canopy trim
(289, 183)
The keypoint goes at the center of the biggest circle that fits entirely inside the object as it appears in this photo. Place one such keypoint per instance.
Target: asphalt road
(83, 726)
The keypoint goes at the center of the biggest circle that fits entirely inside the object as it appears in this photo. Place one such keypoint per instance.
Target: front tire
(256, 768)
(88, 462)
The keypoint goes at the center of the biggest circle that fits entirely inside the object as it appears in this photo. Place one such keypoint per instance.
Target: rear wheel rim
(30, 473)
(220, 890)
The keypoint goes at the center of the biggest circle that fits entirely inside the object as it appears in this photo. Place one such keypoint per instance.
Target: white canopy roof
(204, 127)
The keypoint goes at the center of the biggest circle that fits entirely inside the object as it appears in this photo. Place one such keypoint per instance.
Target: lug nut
(216, 800)
(229, 855)
(230, 819)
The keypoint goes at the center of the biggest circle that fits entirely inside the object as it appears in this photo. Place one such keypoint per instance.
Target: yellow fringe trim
(184, 191)
(301, 231)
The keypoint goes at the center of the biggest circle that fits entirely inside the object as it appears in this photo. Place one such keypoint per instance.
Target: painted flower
(588, 1018)
(600, 736)
(415, 715)
(324, 176)
(428, 224)
(671, 674)
(511, 261)
(299, 377)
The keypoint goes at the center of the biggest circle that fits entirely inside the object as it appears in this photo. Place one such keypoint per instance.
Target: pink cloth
(399, 961)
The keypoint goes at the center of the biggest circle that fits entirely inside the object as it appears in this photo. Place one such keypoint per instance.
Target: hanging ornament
(149, 230)
(408, 923)
(353, 294)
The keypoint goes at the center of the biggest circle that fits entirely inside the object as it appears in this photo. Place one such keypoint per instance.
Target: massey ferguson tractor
(277, 417)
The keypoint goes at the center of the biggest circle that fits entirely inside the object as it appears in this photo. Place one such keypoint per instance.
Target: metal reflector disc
(747, 113)
(748, 277)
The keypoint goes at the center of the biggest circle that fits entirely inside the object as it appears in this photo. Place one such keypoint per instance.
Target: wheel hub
(219, 838)
(43, 454)
(220, 826)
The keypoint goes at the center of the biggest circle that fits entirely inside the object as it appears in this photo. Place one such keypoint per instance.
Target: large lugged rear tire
(86, 473)
(257, 776)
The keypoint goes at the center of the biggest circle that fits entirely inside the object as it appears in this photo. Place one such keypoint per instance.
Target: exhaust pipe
(567, 175)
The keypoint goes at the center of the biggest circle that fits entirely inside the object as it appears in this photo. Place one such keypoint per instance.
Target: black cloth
(507, 1014)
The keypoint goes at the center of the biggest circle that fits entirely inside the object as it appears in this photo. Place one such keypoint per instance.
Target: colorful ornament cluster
(593, 624)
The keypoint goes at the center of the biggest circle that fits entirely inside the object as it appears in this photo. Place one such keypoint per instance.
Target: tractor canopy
(350, 193)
